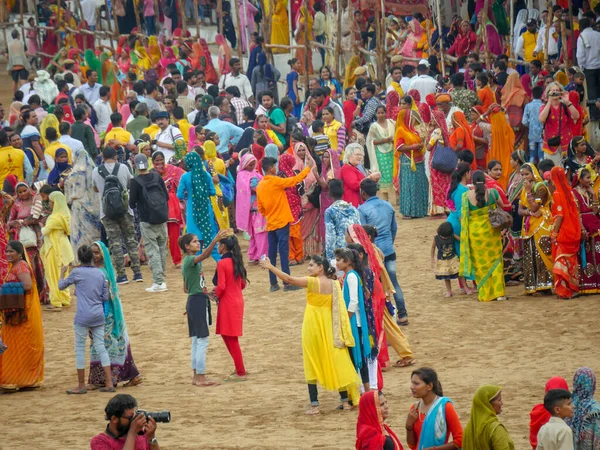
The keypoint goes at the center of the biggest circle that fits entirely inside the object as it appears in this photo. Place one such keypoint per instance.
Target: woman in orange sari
(503, 141)
(414, 187)
(461, 137)
(566, 236)
(22, 364)
(514, 99)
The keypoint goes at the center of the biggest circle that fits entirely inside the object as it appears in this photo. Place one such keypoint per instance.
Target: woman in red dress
(371, 431)
(229, 280)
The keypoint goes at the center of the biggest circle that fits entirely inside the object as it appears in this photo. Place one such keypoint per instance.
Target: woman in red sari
(440, 181)
(465, 41)
(371, 431)
(566, 236)
(587, 203)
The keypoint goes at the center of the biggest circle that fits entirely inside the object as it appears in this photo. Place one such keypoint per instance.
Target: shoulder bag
(444, 159)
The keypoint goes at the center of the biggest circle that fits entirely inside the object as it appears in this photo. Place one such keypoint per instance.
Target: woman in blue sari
(433, 419)
(116, 339)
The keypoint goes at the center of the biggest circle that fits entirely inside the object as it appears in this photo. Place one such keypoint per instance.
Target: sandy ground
(517, 344)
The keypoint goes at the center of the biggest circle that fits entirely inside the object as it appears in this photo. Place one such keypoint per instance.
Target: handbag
(500, 219)
(12, 303)
(444, 159)
(227, 189)
(27, 237)
(555, 141)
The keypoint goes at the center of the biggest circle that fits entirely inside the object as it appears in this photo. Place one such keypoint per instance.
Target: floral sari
(382, 157)
(440, 181)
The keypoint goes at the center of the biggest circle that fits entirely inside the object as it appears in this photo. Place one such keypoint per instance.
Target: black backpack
(114, 204)
(155, 202)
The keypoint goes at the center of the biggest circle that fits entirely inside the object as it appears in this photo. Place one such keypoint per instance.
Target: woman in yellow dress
(216, 166)
(57, 251)
(326, 333)
(534, 206)
(280, 26)
(22, 364)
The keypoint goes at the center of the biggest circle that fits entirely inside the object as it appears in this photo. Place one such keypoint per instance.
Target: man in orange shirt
(274, 206)
(484, 92)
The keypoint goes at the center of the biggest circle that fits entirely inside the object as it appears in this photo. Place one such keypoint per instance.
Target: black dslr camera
(159, 416)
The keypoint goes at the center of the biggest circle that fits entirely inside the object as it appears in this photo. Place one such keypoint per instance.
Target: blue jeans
(150, 25)
(81, 334)
(199, 347)
(279, 240)
(536, 154)
(390, 266)
(321, 40)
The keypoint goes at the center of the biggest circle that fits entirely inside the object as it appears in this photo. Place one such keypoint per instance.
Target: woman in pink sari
(415, 42)
(309, 224)
(330, 170)
(247, 12)
(247, 217)
(168, 57)
(440, 181)
(224, 54)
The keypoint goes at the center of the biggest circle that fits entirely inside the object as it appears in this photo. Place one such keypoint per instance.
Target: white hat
(425, 63)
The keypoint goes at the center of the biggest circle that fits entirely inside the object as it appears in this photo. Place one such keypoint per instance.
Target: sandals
(448, 295)
(75, 392)
(313, 411)
(405, 362)
(402, 323)
(134, 382)
(107, 389)
(235, 377)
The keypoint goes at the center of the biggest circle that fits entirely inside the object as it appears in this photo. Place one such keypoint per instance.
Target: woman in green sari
(484, 431)
(380, 145)
(480, 244)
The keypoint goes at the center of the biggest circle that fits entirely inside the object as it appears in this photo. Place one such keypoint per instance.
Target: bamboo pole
(512, 24)
(439, 25)
(157, 25)
(181, 8)
(5, 15)
(239, 32)
(484, 19)
(138, 23)
(290, 27)
(21, 9)
(307, 51)
(379, 43)
(573, 40)
(565, 45)
(338, 40)
(547, 31)
(220, 15)
(197, 19)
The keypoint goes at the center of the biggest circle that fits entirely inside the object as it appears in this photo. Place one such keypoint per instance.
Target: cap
(206, 101)
(425, 63)
(397, 59)
(162, 114)
(531, 23)
(140, 161)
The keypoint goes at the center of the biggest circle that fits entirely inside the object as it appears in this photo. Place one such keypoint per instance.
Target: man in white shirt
(552, 41)
(423, 83)
(103, 110)
(319, 25)
(65, 137)
(235, 78)
(91, 89)
(88, 8)
(166, 136)
(588, 58)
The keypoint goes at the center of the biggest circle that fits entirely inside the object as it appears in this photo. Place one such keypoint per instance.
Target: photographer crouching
(128, 428)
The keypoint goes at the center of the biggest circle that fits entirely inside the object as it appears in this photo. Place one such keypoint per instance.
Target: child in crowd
(230, 279)
(446, 266)
(322, 140)
(539, 416)
(556, 434)
(91, 290)
(544, 167)
(531, 120)
(198, 306)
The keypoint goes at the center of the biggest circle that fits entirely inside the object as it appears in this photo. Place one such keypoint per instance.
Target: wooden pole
(108, 16)
(290, 27)
(246, 27)
(379, 43)
(307, 51)
(21, 10)
(5, 15)
(37, 33)
(573, 40)
(338, 40)
(138, 22)
(157, 25)
(565, 45)
(181, 8)
(80, 12)
(547, 31)
(196, 18)
(439, 26)
(512, 24)
(484, 19)
(220, 15)
(239, 31)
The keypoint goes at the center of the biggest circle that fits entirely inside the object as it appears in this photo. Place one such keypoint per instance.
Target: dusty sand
(517, 344)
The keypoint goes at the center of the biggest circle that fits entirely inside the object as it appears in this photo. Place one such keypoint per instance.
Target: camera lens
(160, 416)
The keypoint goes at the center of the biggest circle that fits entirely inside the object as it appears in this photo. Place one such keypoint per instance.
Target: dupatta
(406, 134)
(114, 299)
(200, 193)
(513, 92)
(364, 336)
(435, 427)
(243, 192)
(563, 204)
(371, 431)
(587, 409)
(502, 145)
(377, 132)
(59, 220)
(300, 164)
(483, 420)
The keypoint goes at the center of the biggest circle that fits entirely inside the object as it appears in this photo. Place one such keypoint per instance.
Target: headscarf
(483, 420)
(422, 108)
(113, 288)
(459, 120)
(502, 145)
(272, 151)
(587, 409)
(300, 164)
(286, 169)
(539, 415)
(349, 77)
(443, 98)
(359, 236)
(210, 154)
(243, 196)
(578, 128)
(370, 429)
(45, 87)
(265, 67)
(50, 121)
(570, 161)
(246, 140)
(536, 179)
(200, 194)
(333, 171)
(223, 59)
(563, 204)
(440, 121)
(54, 175)
(409, 136)
(10, 184)
(513, 92)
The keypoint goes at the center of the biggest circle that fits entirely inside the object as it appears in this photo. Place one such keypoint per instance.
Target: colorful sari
(514, 99)
(567, 241)
(440, 181)
(589, 279)
(116, 339)
(215, 165)
(294, 197)
(461, 133)
(382, 157)
(247, 217)
(481, 249)
(280, 26)
(537, 247)
(585, 422)
(371, 431)
(502, 145)
(414, 187)
(22, 364)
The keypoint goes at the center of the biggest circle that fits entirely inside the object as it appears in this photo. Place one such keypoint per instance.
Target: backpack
(155, 201)
(113, 196)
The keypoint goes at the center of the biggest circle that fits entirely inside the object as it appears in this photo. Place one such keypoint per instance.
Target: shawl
(224, 54)
(539, 415)
(483, 421)
(502, 145)
(563, 204)
(59, 220)
(359, 236)
(113, 290)
(349, 77)
(578, 129)
(333, 171)
(272, 151)
(50, 121)
(287, 163)
(587, 409)
(362, 340)
(300, 164)
(59, 168)
(200, 194)
(490, 183)
(370, 430)
(246, 140)
(409, 136)
(377, 132)
(243, 196)
(513, 92)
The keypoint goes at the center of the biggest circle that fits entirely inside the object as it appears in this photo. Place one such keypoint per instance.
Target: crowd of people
(114, 161)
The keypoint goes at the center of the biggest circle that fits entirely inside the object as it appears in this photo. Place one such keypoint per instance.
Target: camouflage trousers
(118, 231)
